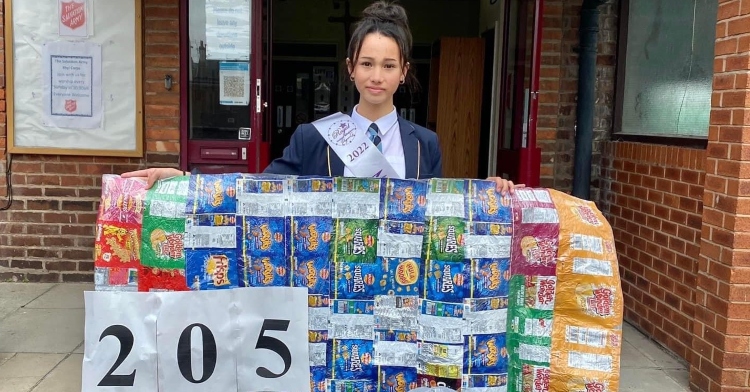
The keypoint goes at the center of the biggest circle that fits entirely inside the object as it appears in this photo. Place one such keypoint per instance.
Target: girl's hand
(504, 186)
(153, 174)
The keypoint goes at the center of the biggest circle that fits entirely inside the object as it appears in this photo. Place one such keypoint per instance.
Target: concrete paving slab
(66, 377)
(648, 380)
(18, 384)
(5, 356)
(630, 357)
(62, 296)
(42, 331)
(30, 365)
(659, 356)
(5, 311)
(680, 376)
(15, 295)
(79, 349)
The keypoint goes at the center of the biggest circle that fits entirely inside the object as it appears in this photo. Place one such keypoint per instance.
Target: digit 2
(357, 152)
(123, 334)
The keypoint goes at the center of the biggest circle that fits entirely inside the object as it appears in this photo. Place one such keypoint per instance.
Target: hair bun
(386, 12)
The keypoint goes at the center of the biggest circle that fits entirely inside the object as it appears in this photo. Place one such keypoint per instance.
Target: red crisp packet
(156, 279)
(118, 234)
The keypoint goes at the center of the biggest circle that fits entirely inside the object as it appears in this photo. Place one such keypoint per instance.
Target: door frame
(254, 145)
(523, 159)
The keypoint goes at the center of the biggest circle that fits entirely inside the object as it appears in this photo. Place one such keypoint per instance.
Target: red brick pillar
(721, 340)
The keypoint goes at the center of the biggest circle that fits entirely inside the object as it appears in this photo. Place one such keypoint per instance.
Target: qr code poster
(234, 83)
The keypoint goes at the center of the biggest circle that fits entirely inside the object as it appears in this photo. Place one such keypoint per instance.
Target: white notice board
(74, 77)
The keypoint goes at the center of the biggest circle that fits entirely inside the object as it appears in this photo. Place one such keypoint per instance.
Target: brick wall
(653, 198)
(48, 233)
(559, 90)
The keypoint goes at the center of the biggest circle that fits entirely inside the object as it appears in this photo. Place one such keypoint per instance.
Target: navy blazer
(308, 154)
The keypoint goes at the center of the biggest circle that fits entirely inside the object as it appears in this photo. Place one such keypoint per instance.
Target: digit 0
(184, 360)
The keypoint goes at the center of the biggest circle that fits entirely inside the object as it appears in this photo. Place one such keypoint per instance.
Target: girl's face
(378, 70)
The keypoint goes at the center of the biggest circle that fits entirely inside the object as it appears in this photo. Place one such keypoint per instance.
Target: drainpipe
(588, 30)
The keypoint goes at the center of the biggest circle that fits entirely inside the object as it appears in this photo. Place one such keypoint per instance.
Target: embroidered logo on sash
(341, 133)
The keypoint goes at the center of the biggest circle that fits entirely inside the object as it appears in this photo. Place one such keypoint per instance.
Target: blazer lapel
(337, 165)
(411, 147)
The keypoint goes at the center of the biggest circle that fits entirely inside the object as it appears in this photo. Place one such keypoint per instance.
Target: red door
(518, 158)
(221, 104)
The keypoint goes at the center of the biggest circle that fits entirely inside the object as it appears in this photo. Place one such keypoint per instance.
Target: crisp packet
(447, 281)
(152, 279)
(405, 200)
(313, 273)
(445, 239)
(212, 194)
(356, 280)
(211, 269)
(117, 245)
(356, 240)
(397, 379)
(122, 199)
(265, 271)
(352, 360)
(311, 236)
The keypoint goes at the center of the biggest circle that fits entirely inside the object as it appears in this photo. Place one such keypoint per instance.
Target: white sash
(353, 147)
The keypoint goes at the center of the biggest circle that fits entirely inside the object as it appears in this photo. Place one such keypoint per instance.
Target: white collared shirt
(390, 138)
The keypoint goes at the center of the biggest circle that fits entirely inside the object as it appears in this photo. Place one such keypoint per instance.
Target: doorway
(476, 62)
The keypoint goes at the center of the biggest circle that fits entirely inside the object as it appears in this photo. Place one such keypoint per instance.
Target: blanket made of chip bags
(411, 283)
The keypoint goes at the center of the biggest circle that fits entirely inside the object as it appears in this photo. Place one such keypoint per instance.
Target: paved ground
(41, 344)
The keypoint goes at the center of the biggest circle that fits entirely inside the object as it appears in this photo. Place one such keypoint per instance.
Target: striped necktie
(372, 133)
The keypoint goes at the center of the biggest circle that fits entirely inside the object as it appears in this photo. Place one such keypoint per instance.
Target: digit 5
(275, 345)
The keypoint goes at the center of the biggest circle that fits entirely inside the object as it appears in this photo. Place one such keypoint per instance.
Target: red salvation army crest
(71, 105)
(73, 14)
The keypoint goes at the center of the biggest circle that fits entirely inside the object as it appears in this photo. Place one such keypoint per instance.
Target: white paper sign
(234, 83)
(228, 29)
(250, 339)
(203, 342)
(267, 360)
(73, 18)
(72, 91)
(120, 347)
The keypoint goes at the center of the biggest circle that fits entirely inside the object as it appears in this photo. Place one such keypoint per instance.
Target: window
(665, 71)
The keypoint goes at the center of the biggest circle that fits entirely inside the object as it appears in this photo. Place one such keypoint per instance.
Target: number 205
(183, 354)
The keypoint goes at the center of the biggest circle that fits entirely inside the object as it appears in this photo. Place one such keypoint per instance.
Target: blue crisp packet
(402, 276)
(211, 269)
(264, 236)
(357, 280)
(312, 184)
(212, 194)
(447, 281)
(486, 204)
(491, 278)
(405, 200)
(313, 273)
(318, 376)
(395, 335)
(441, 309)
(485, 304)
(485, 354)
(397, 378)
(352, 359)
(352, 386)
(353, 306)
(266, 271)
(311, 235)
(485, 381)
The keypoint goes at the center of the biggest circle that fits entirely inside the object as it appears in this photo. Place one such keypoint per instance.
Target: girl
(378, 63)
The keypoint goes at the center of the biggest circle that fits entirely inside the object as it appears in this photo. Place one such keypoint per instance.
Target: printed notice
(228, 30)
(74, 18)
(72, 85)
(234, 83)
